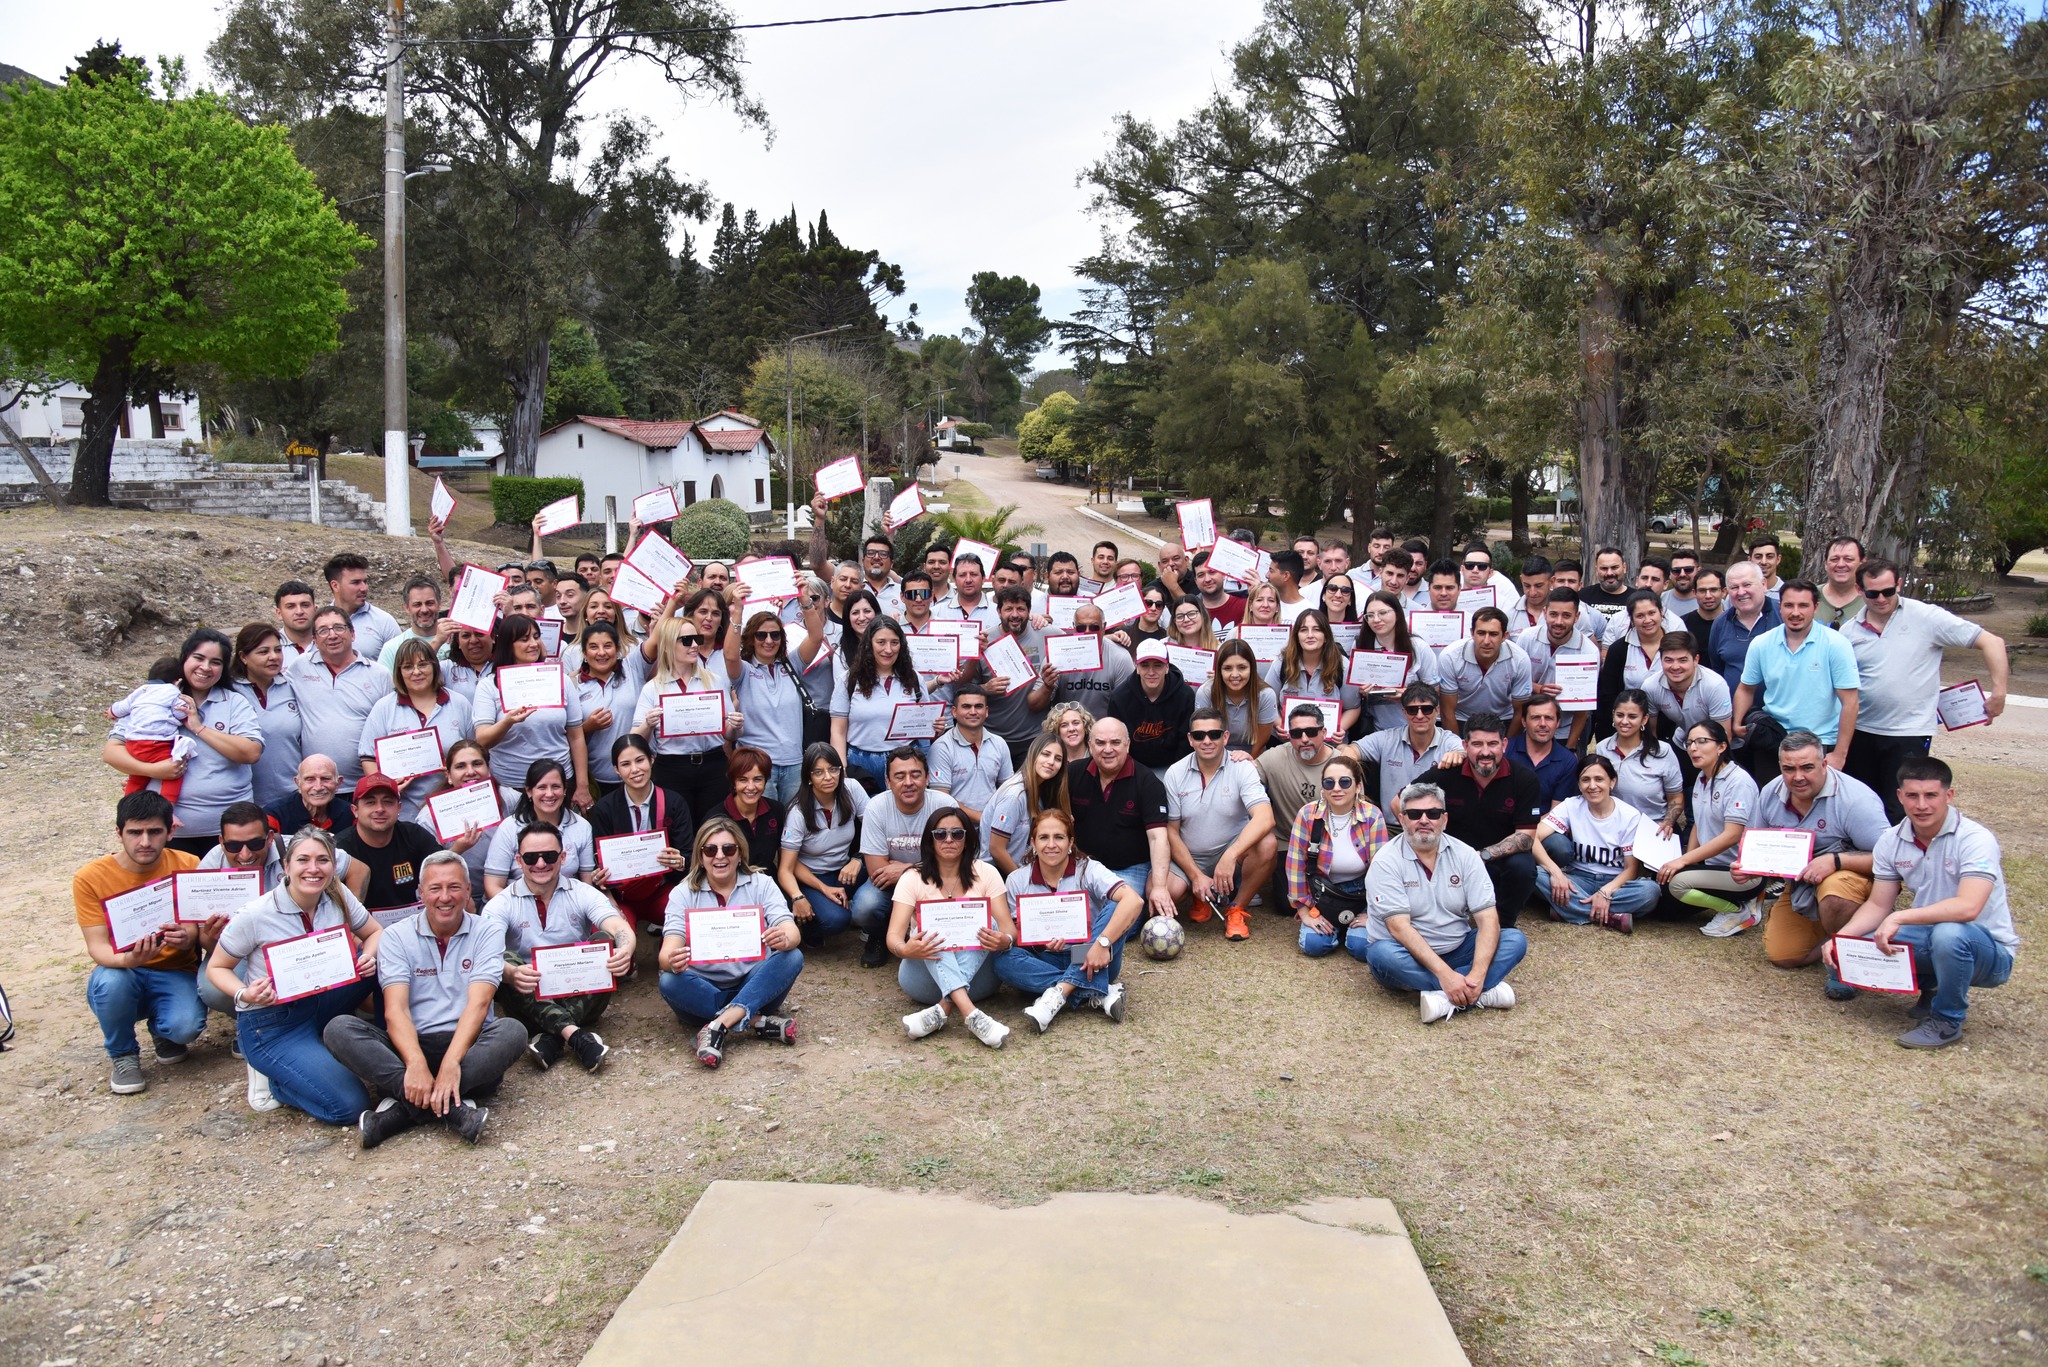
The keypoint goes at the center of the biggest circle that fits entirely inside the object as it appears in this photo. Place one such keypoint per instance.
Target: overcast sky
(950, 144)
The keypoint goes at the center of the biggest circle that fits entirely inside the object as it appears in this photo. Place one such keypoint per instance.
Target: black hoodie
(1159, 729)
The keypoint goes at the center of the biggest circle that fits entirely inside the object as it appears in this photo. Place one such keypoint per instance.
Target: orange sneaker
(1236, 925)
(1199, 913)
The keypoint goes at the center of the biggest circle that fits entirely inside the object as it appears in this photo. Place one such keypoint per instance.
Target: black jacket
(1159, 730)
(613, 815)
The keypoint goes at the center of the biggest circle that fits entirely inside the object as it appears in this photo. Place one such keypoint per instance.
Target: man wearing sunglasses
(1475, 566)
(1092, 688)
(541, 910)
(1404, 756)
(1898, 643)
(1431, 924)
(247, 842)
(1292, 773)
(1219, 828)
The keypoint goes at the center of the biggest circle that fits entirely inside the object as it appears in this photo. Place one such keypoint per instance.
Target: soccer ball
(1162, 938)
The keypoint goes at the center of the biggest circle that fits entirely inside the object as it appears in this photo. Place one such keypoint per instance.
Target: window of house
(174, 417)
(579, 441)
(718, 486)
(689, 492)
(760, 491)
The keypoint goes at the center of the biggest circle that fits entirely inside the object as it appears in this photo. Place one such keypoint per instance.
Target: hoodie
(1159, 729)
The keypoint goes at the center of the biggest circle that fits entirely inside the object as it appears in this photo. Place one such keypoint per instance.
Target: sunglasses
(243, 846)
(720, 851)
(1423, 813)
(1337, 783)
(1419, 709)
(1478, 564)
(767, 635)
(1205, 735)
(1336, 588)
(688, 640)
(917, 595)
(1875, 594)
(1155, 602)
(950, 833)
(1304, 732)
(533, 859)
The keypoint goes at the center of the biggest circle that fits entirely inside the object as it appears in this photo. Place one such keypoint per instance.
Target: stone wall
(174, 477)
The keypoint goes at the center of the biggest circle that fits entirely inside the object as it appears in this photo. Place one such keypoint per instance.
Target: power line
(710, 29)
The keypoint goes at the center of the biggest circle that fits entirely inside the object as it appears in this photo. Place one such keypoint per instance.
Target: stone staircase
(175, 477)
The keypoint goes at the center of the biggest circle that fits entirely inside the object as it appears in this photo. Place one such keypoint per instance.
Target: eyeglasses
(1875, 594)
(878, 555)
(767, 635)
(533, 859)
(1205, 735)
(243, 846)
(1419, 709)
(1304, 732)
(1337, 783)
(1423, 813)
(949, 833)
(1478, 564)
(720, 851)
(332, 631)
(917, 595)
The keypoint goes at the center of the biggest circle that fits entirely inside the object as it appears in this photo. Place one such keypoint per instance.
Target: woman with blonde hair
(1190, 626)
(693, 766)
(1073, 724)
(742, 994)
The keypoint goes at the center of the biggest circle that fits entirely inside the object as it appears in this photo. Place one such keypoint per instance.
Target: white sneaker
(988, 1029)
(1733, 922)
(1050, 1003)
(1499, 997)
(1112, 1002)
(260, 1098)
(929, 1021)
(1436, 1006)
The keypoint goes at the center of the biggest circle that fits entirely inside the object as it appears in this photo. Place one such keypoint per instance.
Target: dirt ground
(1669, 1152)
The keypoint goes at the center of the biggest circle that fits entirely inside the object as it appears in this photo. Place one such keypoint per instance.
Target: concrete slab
(772, 1273)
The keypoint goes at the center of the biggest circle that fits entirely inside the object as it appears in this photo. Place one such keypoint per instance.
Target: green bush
(2037, 625)
(705, 531)
(515, 498)
(976, 431)
(731, 512)
(1793, 558)
(1158, 505)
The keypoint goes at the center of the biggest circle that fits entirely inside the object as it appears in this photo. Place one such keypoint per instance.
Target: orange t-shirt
(104, 877)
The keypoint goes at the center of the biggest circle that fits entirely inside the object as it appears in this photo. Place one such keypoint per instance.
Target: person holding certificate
(124, 899)
(1846, 820)
(439, 1044)
(1959, 930)
(608, 680)
(1041, 783)
(1603, 882)
(770, 699)
(1486, 674)
(1560, 639)
(819, 866)
(1311, 666)
(1386, 630)
(1723, 804)
(521, 733)
(258, 676)
(540, 910)
(1054, 969)
(636, 807)
(687, 661)
(932, 905)
(736, 978)
(1090, 690)
(544, 798)
(469, 765)
(864, 701)
(289, 977)
(419, 702)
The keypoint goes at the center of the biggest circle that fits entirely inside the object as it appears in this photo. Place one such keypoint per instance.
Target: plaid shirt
(1368, 832)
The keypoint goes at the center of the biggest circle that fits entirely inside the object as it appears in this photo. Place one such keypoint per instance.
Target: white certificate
(410, 754)
(1369, 669)
(550, 636)
(1860, 963)
(963, 629)
(1774, 854)
(840, 478)
(1331, 708)
(771, 577)
(915, 721)
(1088, 588)
(1076, 654)
(632, 589)
(529, 686)
(658, 560)
(980, 550)
(692, 714)
(1061, 607)
(1046, 917)
(637, 855)
(656, 505)
(1194, 663)
(1578, 679)
(558, 516)
(1262, 562)
(205, 894)
(139, 912)
(453, 810)
(306, 964)
(1345, 634)
(1234, 560)
(1197, 524)
(1266, 642)
(573, 970)
(1121, 604)
(725, 935)
(1004, 658)
(936, 654)
(1471, 600)
(475, 594)
(1962, 705)
(1654, 850)
(958, 922)
(906, 507)
(1438, 629)
(440, 503)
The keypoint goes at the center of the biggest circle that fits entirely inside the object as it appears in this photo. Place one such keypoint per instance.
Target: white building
(60, 416)
(947, 436)
(727, 455)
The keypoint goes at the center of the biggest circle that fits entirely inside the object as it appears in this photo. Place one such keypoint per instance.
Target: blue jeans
(783, 782)
(1395, 967)
(1135, 878)
(283, 1043)
(870, 909)
(121, 996)
(925, 981)
(1316, 945)
(1636, 897)
(831, 917)
(1031, 971)
(1951, 958)
(869, 765)
(692, 996)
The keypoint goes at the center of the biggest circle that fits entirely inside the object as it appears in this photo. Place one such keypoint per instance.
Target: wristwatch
(1102, 941)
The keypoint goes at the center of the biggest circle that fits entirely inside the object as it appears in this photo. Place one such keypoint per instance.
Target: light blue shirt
(1799, 685)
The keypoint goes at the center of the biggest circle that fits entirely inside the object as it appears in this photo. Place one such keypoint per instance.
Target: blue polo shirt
(1801, 683)
(1728, 644)
(1557, 778)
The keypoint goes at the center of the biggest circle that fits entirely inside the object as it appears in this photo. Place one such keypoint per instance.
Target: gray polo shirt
(1092, 690)
(392, 714)
(1641, 781)
(1729, 798)
(824, 850)
(1212, 812)
(275, 917)
(888, 831)
(1963, 849)
(373, 627)
(1439, 905)
(1899, 671)
(1399, 764)
(754, 889)
(1846, 817)
(1535, 642)
(1492, 691)
(1006, 818)
(579, 846)
(772, 710)
(438, 975)
(212, 780)
(333, 708)
(1706, 700)
(971, 773)
(577, 912)
(275, 772)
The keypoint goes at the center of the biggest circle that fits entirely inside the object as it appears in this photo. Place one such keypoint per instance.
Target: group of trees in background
(1726, 254)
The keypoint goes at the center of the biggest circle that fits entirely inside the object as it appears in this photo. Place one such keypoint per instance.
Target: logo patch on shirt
(1455, 880)
(465, 965)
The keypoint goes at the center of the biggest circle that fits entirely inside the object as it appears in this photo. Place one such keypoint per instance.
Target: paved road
(1006, 478)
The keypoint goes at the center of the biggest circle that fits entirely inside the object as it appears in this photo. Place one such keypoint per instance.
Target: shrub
(2037, 625)
(976, 431)
(704, 531)
(731, 512)
(516, 498)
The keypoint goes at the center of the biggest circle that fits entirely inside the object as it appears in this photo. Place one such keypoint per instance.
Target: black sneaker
(711, 1045)
(1922, 1009)
(467, 1120)
(875, 952)
(811, 933)
(168, 1050)
(545, 1049)
(1838, 991)
(775, 1029)
(387, 1118)
(589, 1048)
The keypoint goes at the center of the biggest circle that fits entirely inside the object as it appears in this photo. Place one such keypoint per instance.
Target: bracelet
(238, 996)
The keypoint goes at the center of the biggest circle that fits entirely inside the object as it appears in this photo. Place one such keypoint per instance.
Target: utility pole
(397, 467)
(789, 423)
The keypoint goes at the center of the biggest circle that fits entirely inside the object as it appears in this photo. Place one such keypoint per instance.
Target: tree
(577, 380)
(1009, 329)
(140, 234)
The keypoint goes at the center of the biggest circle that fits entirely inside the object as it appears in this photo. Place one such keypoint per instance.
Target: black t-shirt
(1110, 828)
(1486, 816)
(1595, 596)
(395, 869)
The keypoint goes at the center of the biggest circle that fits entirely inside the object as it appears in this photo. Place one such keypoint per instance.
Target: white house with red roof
(725, 455)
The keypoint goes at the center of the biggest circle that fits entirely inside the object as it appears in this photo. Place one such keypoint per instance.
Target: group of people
(403, 853)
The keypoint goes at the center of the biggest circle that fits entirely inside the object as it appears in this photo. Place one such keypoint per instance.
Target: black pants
(1875, 761)
(700, 778)
(365, 1050)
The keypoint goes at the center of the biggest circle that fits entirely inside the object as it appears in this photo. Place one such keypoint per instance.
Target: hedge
(705, 531)
(731, 512)
(516, 498)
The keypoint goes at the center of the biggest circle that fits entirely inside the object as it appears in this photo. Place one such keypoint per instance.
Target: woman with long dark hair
(1646, 769)
(820, 866)
(1311, 666)
(948, 870)
(543, 797)
(523, 735)
(227, 736)
(258, 675)
(864, 702)
(1386, 629)
(639, 804)
(1250, 707)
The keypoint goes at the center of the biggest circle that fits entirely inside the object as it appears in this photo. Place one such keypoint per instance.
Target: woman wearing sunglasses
(544, 798)
(1152, 624)
(1329, 849)
(693, 765)
(1007, 822)
(948, 870)
(1603, 883)
(744, 993)
(770, 701)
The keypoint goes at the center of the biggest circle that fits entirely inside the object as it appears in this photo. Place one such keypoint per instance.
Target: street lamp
(789, 422)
